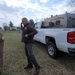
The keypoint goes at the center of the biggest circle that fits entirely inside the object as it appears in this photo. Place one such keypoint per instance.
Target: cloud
(63, 7)
(14, 10)
(17, 9)
(44, 1)
(1, 2)
(25, 4)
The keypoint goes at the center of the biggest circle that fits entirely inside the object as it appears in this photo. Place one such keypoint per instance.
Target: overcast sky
(14, 10)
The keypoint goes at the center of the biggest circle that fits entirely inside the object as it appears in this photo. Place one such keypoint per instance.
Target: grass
(15, 59)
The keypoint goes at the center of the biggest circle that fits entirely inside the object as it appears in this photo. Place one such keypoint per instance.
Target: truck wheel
(52, 50)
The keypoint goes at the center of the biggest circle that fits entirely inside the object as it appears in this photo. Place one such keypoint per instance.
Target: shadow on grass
(67, 61)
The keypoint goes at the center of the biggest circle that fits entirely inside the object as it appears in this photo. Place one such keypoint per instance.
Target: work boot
(37, 71)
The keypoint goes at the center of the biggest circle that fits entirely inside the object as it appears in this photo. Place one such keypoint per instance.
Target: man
(28, 33)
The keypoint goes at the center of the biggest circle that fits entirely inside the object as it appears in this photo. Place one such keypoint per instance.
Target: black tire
(52, 50)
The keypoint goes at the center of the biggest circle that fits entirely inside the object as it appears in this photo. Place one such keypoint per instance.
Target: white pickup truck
(56, 39)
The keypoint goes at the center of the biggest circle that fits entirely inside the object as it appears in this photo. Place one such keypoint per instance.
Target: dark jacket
(27, 29)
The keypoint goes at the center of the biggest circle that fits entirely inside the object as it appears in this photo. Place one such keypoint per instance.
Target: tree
(5, 27)
(31, 22)
(0, 28)
(10, 24)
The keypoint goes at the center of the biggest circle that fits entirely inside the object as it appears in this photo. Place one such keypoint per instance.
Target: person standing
(28, 33)
(20, 30)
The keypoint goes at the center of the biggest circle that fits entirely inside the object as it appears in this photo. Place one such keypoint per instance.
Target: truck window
(38, 25)
(58, 22)
(71, 22)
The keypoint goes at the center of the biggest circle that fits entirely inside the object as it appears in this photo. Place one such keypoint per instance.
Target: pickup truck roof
(44, 24)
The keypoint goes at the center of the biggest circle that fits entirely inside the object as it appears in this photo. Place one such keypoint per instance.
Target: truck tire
(52, 50)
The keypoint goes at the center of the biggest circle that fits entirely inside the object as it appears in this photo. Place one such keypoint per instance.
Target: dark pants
(30, 57)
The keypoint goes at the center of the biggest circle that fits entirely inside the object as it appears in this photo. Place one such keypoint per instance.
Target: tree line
(7, 26)
(11, 25)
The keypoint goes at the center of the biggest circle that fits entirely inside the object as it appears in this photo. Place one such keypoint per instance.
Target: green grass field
(15, 59)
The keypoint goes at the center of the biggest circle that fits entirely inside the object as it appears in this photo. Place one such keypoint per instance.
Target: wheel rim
(50, 50)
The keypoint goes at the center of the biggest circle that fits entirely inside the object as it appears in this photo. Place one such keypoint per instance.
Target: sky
(15, 10)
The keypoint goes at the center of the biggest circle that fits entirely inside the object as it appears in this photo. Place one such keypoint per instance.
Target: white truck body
(59, 34)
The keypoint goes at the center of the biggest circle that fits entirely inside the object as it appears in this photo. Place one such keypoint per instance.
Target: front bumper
(71, 51)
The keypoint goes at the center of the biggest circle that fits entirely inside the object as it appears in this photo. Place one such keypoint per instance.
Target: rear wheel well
(50, 39)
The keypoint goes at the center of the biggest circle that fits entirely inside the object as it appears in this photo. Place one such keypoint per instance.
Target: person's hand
(3, 38)
(26, 35)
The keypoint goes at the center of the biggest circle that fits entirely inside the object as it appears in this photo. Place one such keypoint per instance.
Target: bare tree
(71, 4)
(5, 26)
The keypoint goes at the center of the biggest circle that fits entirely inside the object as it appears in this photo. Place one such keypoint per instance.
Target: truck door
(37, 27)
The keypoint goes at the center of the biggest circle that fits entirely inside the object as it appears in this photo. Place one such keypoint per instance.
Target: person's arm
(33, 31)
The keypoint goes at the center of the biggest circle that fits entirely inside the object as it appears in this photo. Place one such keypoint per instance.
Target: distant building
(13, 28)
(64, 20)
